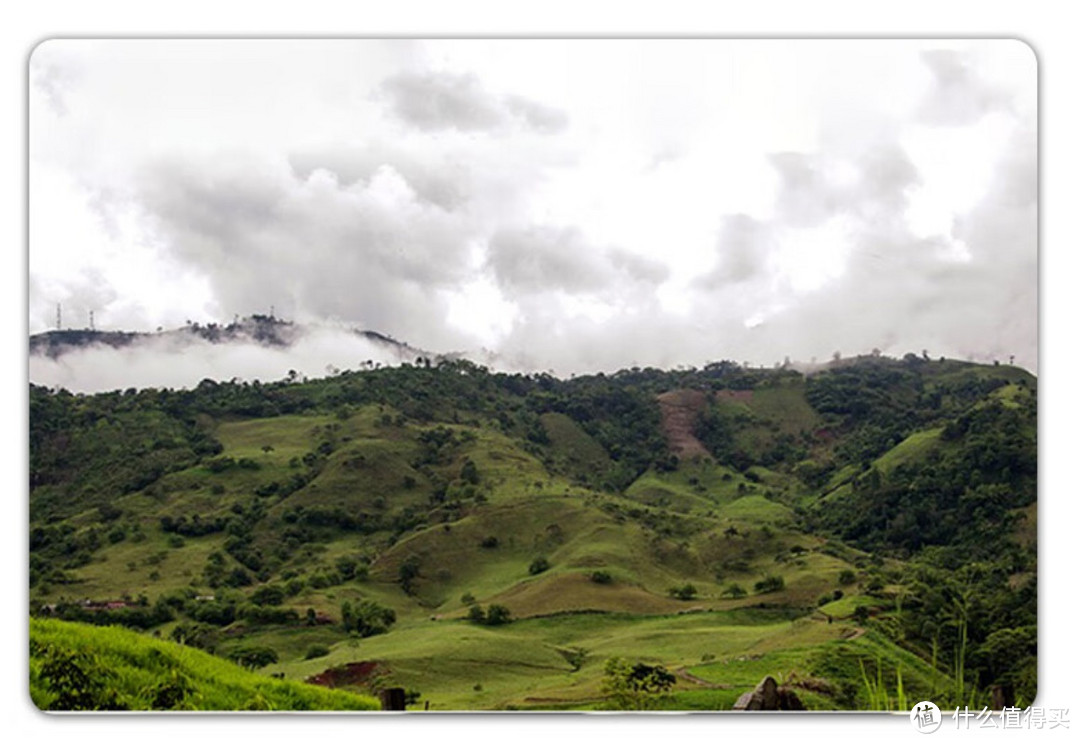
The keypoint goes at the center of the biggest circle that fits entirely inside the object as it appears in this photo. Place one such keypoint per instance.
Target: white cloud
(575, 203)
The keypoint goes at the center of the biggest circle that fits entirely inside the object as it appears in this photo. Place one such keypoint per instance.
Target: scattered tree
(686, 592)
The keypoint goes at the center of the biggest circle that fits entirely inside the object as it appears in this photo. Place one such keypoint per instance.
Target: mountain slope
(373, 512)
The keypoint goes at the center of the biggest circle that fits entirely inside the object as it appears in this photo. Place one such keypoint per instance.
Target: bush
(847, 576)
(272, 594)
(489, 542)
(77, 679)
(408, 571)
(635, 686)
(254, 657)
(538, 566)
(367, 618)
(316, 651)
(601, 577)
(685, 592)
(769, 584)
(496, 615)
(346, 567)
(734, 591)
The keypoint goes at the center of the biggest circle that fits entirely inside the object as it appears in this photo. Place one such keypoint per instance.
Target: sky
(566, 205)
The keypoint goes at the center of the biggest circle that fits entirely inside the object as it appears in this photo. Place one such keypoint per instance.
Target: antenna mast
(58, 326)
(91, 320)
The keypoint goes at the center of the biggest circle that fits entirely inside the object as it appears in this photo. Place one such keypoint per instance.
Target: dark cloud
(437, 101)
(543, 259)
(959, 95)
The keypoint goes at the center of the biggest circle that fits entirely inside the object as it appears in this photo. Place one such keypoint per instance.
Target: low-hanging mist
(182, 361)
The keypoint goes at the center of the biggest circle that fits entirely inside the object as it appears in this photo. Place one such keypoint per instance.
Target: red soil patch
(354, 674)
(678, 410)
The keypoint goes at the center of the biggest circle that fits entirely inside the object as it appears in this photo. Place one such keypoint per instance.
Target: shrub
(685, 592)
(272, 594)
(498, 615)
(316, 651)
(346, 567)
(847, 576)
(254, 657)
(734, 591)
(489, 542)
(495, 615)
(635, 686)
(769, 584)
(367, 618)
(469, 473)
(538, 566)
(78, 680)
(601, 577)
(408, 571)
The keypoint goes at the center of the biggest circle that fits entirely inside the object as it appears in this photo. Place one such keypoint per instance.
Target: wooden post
(1002, 696)
(392, 698)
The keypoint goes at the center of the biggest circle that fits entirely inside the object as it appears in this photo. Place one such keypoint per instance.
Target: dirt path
(858, 633)
(678, 410)
(683, 674)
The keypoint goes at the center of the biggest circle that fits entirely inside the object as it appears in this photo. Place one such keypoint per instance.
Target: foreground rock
(769, 696)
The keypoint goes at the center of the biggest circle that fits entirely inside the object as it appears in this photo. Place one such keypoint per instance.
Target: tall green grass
(81, 667)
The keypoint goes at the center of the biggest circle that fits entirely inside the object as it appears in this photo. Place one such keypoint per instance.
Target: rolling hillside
(491, 541)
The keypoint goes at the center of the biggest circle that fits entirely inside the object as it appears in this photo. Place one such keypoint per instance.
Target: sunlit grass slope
(140, 673)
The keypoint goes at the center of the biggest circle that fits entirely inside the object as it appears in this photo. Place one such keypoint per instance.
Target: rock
(762, 697)
(769, 696)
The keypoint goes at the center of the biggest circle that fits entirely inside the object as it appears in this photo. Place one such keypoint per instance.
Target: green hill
(365, 518)
(79, 667)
